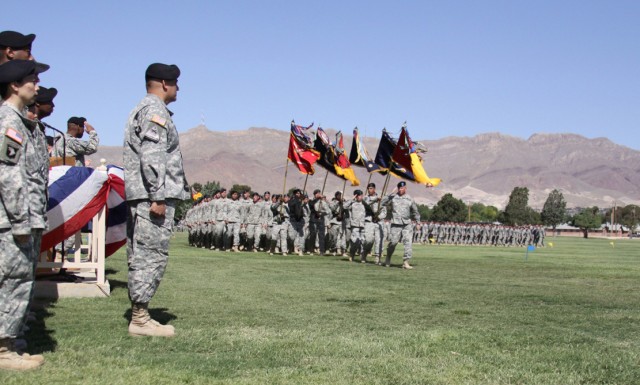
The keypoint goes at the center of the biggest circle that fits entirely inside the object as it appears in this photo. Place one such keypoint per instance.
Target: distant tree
(482, 213)
(182, 208)
(516, 213)
(449, 209)
(629, 217)
(587, 219)
(240, 187)
(425, 212)
(210, 187)
(554, 210)
(197, 187)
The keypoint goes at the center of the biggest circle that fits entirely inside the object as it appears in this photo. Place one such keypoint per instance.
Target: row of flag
(401, 158)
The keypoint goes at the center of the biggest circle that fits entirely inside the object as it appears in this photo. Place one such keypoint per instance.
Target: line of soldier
(250, 221)
(279, 223)
(476, 234)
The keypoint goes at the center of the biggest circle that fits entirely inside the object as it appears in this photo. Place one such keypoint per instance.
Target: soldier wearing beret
(403, 211)
(154, 183)
(73, 145)
(357, 213)
(23, 184)
(15, 46)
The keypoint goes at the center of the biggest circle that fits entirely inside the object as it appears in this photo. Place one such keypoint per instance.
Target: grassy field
(466, 315)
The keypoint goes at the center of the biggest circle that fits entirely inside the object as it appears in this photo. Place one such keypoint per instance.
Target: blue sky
(449, 68)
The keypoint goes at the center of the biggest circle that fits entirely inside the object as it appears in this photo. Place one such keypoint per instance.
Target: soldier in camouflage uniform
(255, 222)
(375, 222)
(73, 145)
(317, 225)
(219, 230)
(280, 210)
(357, 213)
(233, 218)
(154, 183)
(403, 211)
(23, 168)
(336, 226)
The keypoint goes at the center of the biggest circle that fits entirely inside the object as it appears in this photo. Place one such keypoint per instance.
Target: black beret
(255, 194)
(402, 184)
(296, 191)
(46, 95)
(267, 192)
(316, 191)
(371, 185)
(223, 189)
(338, 193)
(50, 140)
(357, 192)
(77, 120)
(15, 39)
(162, 71)
(15, 70)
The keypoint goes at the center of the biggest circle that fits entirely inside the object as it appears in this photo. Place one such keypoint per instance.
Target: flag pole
(384, 191)
(369, 180)
(304, 188)
(286, 169)
(325, 181)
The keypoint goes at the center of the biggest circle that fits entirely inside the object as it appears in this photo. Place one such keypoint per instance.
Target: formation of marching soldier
(356, 227)
(450, 233)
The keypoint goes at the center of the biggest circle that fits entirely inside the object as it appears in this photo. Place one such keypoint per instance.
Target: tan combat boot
(11, 360)
(406, 265)
(143, 325)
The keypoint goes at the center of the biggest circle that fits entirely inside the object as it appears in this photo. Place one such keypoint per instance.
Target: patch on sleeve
(15, 135)
(152, 133)
(10, 147)
(157, 119)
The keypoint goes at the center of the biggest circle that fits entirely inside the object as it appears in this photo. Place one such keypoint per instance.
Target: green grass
(466, 315)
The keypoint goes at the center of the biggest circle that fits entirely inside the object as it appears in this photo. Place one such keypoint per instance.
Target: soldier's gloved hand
(22, 239)
(157, 209)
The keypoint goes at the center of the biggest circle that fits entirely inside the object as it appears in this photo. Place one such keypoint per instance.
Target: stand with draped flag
(78, 196)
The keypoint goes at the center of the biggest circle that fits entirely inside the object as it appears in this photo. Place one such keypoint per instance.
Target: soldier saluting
(403, 211)
(154, 183)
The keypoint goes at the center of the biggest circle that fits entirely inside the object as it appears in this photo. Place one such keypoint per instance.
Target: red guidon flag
(302, 157)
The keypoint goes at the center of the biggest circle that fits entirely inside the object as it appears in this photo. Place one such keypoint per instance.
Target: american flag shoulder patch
(14, 135)
(157, 119)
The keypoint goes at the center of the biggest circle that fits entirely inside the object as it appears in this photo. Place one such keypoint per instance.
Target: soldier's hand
(22, 239)
(157, 209)
(88, 128)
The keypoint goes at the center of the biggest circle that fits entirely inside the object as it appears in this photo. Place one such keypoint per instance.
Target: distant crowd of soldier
(478, 234)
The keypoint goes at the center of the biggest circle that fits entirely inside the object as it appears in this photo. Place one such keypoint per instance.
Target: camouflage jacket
(403, 209)
(78, 148)
(153, 167)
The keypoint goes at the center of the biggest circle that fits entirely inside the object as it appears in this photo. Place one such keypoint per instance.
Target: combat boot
(11, 360)
(377, 260)
(406, 265)
(143, 325)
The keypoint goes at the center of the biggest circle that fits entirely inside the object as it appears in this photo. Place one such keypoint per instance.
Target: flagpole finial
(404, 125)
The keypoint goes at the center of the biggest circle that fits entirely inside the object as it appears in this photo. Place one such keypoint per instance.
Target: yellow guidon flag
(405, 155)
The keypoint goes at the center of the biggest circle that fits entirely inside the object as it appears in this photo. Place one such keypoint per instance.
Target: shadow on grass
(39, 338)
(114, 283)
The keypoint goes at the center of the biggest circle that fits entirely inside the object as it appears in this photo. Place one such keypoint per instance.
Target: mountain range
(484, 168)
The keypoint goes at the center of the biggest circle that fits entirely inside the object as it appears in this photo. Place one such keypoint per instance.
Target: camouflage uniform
(403, 209)
(317, 225)
(256, 222)
(153, 172)
(233, 217)
(23, 180)
(78, 148)
(357, 214)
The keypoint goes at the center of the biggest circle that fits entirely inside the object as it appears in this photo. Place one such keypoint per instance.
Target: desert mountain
(484, 168)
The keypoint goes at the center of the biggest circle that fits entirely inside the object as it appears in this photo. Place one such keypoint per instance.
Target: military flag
(359, 155)
(329, 157)
(299, 132)
(342, 165)
(407, 157)
(302, 156)
(384, 161)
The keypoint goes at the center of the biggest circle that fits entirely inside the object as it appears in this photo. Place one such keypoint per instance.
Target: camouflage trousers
(232, 230)
(147, 248)
(369, 242)
(296, 234)
(279, 236)
(337, 237)
(218, 234)
(398, 232)
(357, 241)
(254, 231)
(16, 283)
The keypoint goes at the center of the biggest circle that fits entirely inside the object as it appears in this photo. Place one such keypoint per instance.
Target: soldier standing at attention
(23, 159)
(154, 182)
(403, 210)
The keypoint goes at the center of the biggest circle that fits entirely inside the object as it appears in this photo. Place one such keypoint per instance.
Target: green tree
(516, 213)
(587, 219)
(425, 212)
(210, 187)
(482, 213)
(182, 208)
(197, 187)
(449, 209)
(240, 187)
(554, 210)
(629, 217)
